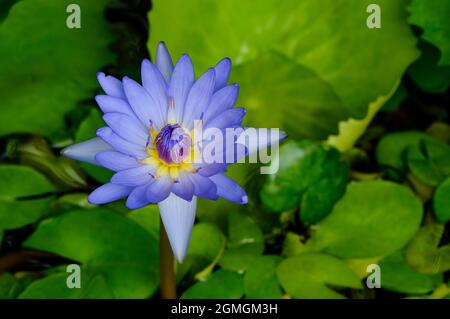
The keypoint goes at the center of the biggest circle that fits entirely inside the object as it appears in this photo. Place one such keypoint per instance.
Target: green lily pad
(148, 218)
(292, 245)
(391, 148)
(441, 201)
(93, 286)
(398, 276)
(429, 161)
(21, 203)
(206, 248)
(396, 99)
(245, 242)
(432, 17)
(108, 243)
(426, 72)
(260, 280)
(53, 59)
(365, 222)
(11, 286)
(309, 276)
(221, 284)
(423, 252)
(319, 36)
(297, 102)
(5, 6)
(310, 175)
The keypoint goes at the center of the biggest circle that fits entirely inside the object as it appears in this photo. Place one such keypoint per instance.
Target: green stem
(166, 266)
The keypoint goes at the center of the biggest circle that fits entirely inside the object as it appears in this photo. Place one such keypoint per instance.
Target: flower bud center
(173, 143)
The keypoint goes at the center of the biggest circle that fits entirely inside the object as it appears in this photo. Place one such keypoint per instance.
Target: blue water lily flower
(148, 142)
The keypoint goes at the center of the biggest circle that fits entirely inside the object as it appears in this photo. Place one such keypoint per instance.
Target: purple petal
(109, 104)
(111, 85)
(198, 98)
(127, 128)
(222, 69)
(221, 100)
(134, 176)
(229, 189)
(138, 198)
(208, 170)
(108, 193)
(218, 152)
(164, 61)
(178, 216)
(154, 83)
(183, 188)
(159, 189)
(121, 145)
(87, 150)
(116, 161)
(203, 186)
(142, 104)
(180, 85)
(229, 118)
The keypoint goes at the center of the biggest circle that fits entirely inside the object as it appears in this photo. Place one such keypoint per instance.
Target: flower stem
(166, 266)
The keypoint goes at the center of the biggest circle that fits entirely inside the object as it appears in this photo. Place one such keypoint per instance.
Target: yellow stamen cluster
(163, 168)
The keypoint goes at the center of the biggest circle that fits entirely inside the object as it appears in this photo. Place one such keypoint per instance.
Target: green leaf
(205, 254)
(5, 6)
(73, 201)
(426, 72)
(398, 276)
(87, 131)
(48, 71)
(441, 201)
(93, 286)
(364, 223)
(319, 37)
(397, 98)
(148, 218)
(12, 184)
(245, 242)
(35, 151)
(311, 175)
(391, 148)
(292, 245)
(108, 243)
(432, 17)
(309, 275)
(298, 100)
(221, 284)
(11, 286)
(260, 280)
(15, 209)
(423, 252)
(429, 161)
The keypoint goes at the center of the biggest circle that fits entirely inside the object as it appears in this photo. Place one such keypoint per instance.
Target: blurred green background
(363, 179)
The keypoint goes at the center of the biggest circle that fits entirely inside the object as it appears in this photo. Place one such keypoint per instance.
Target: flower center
(173, 143)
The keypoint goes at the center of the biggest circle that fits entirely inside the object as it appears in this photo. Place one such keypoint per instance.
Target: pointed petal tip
(180, 256)
(145, 62)
(244, 199)
(91, 199)
(161, 46)
(178, 217)
(68, 152)
(225, 61)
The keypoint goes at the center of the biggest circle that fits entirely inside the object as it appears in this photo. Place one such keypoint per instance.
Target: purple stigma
(173, 143)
